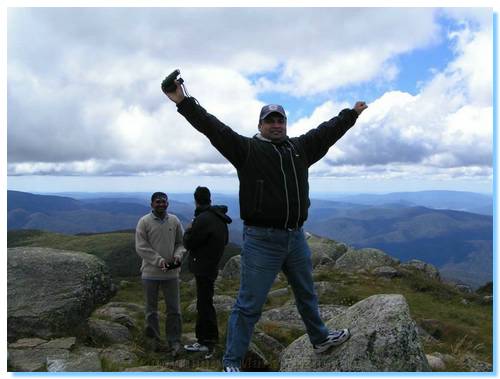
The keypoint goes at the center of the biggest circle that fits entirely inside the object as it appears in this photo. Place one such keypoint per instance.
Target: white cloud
(84, 97)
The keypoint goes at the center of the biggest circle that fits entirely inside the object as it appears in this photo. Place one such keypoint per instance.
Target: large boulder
(364, 259)
(384, 338)
(51, 292)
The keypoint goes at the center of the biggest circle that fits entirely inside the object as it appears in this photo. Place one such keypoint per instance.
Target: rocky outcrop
(232, 267)
(384, 338)
(386, 272)
(364, 259)
(319, 258)
(326, 247)
(107, 332)
(125, 314)
(430, 270)
(51, 292)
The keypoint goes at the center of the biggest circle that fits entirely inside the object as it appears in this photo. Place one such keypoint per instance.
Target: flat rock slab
(85, 359)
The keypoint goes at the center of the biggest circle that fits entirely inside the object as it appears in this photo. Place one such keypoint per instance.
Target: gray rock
(474, 365)
(35, 359)
(436, 363)
(386, 272)
(425, 336)
(60, 343)
(26, 343)
(85, 359)
(232, 268)
(279, 292)
(108, 332)
(122, 313)
(430, 270)
(446, 358)
(51, 292)
(269, 343)
(328, 247)
(324, 288)
(150, 369)
(487, 300)
(433, 327)
(119, 355)
(222, 303)
(288, 316)
(463, 288)
(255, 360)
(384, 338)
(364, 259)
(319, 258)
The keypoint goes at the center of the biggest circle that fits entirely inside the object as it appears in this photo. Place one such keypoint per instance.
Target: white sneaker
(231, 369)
(335, 338)
(196, 347)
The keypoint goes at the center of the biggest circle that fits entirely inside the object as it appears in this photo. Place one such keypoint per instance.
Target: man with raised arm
(274, 200)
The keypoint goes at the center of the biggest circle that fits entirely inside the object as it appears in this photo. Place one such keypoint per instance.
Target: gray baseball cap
(271, 108)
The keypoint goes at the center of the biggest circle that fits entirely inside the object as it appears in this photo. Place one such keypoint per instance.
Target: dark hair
(158, 195)
(202, 195)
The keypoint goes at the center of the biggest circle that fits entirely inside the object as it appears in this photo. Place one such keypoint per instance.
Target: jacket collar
(261, 138)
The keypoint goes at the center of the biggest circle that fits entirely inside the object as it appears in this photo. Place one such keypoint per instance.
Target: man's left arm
(198, 233)
(316, 142)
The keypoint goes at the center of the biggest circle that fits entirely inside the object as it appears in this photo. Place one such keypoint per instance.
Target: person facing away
(205, 240)
(158, 241)
(274, 200)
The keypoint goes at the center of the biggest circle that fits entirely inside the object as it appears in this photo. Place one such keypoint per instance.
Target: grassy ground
(459, 323)
(460, 327)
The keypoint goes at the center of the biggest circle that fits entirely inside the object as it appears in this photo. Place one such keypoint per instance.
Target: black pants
(206, 330)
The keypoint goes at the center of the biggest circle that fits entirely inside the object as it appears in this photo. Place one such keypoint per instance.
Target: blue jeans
(265, 252)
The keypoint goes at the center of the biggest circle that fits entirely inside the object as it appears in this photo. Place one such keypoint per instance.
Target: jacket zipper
(297, 185)
(286, 188)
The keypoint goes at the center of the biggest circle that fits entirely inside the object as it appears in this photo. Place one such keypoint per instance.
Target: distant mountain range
(459, 243)
(455, 200)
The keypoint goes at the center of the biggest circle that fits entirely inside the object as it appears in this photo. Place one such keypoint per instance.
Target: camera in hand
(173, 265)
(168, 84)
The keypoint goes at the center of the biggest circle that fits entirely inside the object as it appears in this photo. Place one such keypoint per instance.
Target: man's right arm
(143, 247)
(229, 143)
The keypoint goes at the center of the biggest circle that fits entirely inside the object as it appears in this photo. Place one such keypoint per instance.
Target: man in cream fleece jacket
(158, 241)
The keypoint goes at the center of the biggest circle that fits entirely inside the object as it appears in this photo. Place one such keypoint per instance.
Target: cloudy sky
(86, 113)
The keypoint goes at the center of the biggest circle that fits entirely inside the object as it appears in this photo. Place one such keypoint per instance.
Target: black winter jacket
(206, 238)
(274, 188)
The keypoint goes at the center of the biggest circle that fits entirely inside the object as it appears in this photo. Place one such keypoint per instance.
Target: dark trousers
(173, 322)
(206, 330)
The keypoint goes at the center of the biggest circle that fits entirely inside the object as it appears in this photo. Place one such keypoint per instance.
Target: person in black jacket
(274, 200)
(205, 240)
